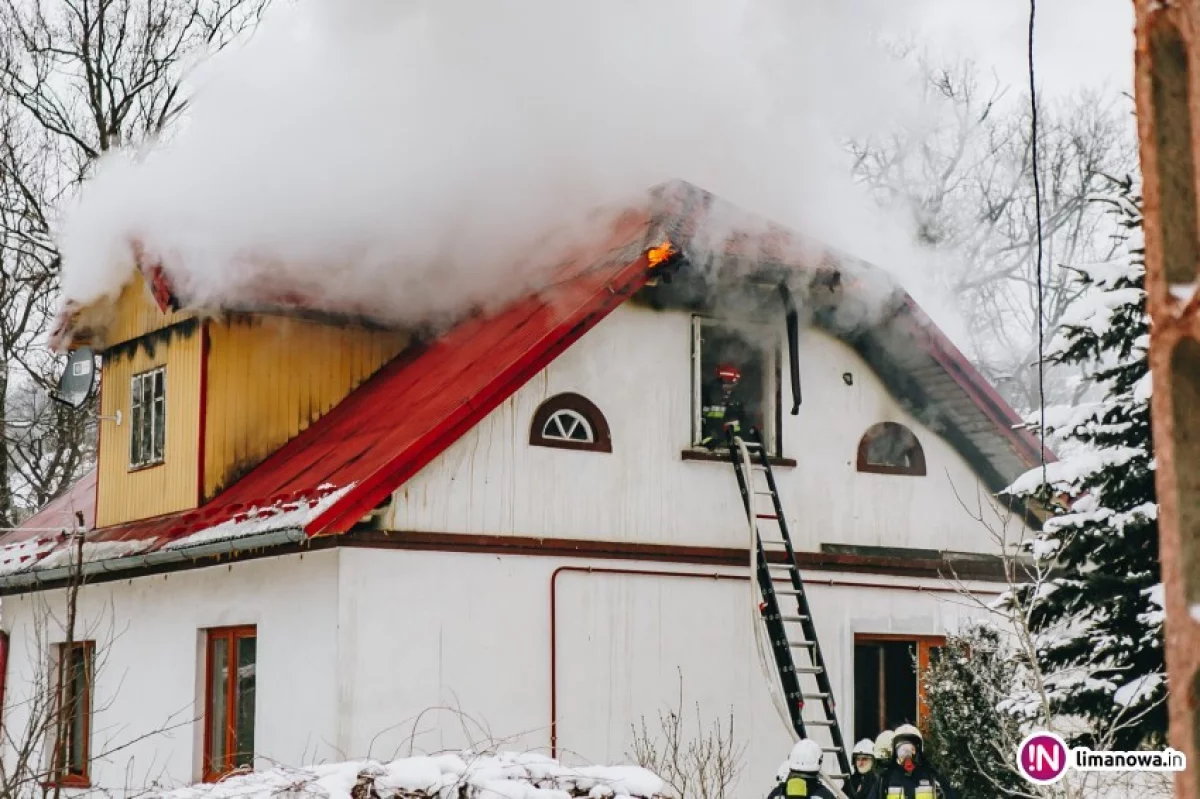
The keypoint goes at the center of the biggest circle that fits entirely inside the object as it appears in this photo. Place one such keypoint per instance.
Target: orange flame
(659, 254)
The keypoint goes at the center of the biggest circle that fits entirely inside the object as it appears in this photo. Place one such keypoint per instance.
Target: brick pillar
(1168, 109)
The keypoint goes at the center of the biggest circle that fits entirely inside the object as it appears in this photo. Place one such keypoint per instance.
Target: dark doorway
(885, 686)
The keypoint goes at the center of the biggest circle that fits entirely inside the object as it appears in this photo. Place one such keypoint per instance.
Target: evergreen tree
(966, 740)
(1098, 616)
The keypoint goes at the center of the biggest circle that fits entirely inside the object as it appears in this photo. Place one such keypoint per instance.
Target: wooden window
(890, 448)
(148, 418)
(73, 717)
(754, 352)
(229, 701)
(570, 421)
(888, 672)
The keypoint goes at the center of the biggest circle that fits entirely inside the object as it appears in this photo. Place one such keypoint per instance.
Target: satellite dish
(78, 378)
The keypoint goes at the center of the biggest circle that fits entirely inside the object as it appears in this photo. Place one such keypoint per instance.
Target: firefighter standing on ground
(909, 776)
(863, 776)
(802, 780)
(883, 753)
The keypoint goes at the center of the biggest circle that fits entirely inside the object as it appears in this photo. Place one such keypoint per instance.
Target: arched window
(569, 421)
(890, 448)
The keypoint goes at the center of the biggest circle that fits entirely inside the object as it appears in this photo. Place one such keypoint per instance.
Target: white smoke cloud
(403, 155)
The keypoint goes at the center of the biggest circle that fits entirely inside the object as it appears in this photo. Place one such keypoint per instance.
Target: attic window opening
(753, 352)
(148, 418)
(570, 421)
(891, 448)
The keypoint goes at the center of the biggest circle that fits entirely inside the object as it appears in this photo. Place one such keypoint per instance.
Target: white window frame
(770, 375)
(578, 418)
(146, 457)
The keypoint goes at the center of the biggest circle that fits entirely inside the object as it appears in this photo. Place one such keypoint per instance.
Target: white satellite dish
(78, 378)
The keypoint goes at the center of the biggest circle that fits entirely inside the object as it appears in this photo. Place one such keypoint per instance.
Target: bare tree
(78, 78)
(33, 753)
(704, 765)
(966, 180)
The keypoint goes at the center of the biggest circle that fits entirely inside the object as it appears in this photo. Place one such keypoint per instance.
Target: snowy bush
(465, 775)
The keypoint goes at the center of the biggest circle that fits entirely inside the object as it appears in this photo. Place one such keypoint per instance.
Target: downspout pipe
(36, 578)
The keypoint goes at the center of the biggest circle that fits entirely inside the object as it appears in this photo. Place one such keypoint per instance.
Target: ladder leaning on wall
(782, 606)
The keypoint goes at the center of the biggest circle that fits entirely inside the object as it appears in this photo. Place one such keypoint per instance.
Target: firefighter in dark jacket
(804, 764)
(909, 776)
(721, 414)
(863, 777)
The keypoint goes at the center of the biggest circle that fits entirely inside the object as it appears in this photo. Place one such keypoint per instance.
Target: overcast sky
(1078, 43)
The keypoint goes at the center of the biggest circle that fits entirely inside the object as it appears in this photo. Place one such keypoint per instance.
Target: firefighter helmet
(729, 373)
(907, 746)
(883, 746)
(806, 757)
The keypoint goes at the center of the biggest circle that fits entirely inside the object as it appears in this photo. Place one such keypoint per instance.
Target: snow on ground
(505, 775)
(264, 519)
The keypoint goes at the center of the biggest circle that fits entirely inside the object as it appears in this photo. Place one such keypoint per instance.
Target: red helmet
(729, 373)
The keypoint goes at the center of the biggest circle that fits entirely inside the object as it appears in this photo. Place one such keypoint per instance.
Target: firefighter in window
(722, 413)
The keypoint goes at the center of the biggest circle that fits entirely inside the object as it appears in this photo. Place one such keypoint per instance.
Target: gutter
(38, 578)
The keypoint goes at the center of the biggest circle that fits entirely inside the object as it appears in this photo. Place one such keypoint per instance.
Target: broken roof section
(334, 473)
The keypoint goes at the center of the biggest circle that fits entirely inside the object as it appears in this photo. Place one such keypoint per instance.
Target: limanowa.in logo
(1043, 758)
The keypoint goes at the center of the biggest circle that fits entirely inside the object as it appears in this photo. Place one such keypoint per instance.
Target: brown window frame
(916, 470)
(62, 774)
(577, 403)
(924, 644)
(212, 772)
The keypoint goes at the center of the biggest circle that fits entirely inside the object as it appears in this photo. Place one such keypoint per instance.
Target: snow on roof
(45, 552)
(504, 775)
(21, 555)
(281, 516)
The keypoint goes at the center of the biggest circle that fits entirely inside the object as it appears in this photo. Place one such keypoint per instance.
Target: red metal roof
(421, 402)
(335, 472)
(59, 513)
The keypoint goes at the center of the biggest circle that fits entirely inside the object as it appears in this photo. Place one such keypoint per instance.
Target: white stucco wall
(368, 652)
(471, 634)
(149, 661)
(636, 367)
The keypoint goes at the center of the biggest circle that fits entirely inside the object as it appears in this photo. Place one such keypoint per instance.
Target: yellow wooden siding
(269, 377)
(135, 313)
(125, 495)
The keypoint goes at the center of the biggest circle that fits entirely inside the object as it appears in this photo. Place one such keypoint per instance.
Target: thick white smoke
(403, 156)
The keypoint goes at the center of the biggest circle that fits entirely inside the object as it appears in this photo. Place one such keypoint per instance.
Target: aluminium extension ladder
(792, 635)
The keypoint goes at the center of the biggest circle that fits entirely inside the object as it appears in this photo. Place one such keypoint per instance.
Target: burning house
(313, 536)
